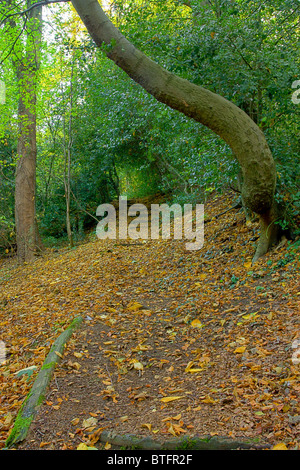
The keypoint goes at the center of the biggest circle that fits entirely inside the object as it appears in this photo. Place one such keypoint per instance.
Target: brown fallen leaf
(43, 444)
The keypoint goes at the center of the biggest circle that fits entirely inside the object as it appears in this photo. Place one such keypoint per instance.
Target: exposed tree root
(270, 234)
(197, 443)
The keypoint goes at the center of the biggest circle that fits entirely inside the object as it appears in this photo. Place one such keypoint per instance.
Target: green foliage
(7, 166)
(122, 140)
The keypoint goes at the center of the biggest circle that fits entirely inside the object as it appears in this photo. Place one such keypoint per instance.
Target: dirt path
(122, 364)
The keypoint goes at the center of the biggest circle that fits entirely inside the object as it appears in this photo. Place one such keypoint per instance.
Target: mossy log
(36, 396)
(130, 441)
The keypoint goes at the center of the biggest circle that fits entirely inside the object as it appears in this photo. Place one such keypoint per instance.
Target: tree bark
(233, 125)
(25, 182)
(67, 145)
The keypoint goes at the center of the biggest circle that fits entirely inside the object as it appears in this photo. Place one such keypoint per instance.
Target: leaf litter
(173, 343)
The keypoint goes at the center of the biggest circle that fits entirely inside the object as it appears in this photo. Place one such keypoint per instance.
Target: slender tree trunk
(25, 183)
(233, 125)
(114, 178)
(172, 170)
(67, 184)
(68, 197)
(67, 166)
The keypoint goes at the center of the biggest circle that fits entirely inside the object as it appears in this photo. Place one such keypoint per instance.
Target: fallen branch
(238, 205)
(37, 394)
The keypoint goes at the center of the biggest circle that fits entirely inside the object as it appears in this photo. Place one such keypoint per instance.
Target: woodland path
(172, 344)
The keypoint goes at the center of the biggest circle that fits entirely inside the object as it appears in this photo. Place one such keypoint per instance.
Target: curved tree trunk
(233, 125)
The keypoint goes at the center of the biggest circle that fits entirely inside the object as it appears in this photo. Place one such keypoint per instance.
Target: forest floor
(173, 342)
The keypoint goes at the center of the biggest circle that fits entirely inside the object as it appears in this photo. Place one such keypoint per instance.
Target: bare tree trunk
(67, 184)
(25, 183)
(67, 166)
(160, 159)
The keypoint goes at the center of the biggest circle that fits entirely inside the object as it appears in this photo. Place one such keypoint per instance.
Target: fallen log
(131, 441)
(36, 396)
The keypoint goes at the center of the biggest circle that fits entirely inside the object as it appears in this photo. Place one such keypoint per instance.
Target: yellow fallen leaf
(134, 306)
(175, 429)
(123, 419)
(248, 264)
(77, 354)
(194, 371)
(240, 350)
(113, 310)
(171, 430)
(86, 423)
(178, 429)
(246, 317)
(147, 425)
(280, 446)
(250, 316)
(83, 446)
(167, 399)
(208, 399)
(107, 446)
(106, 382)
(190, 364)
(141, 347)
(168, 418)
(196, 323)
(8, 419)
(138, 365)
